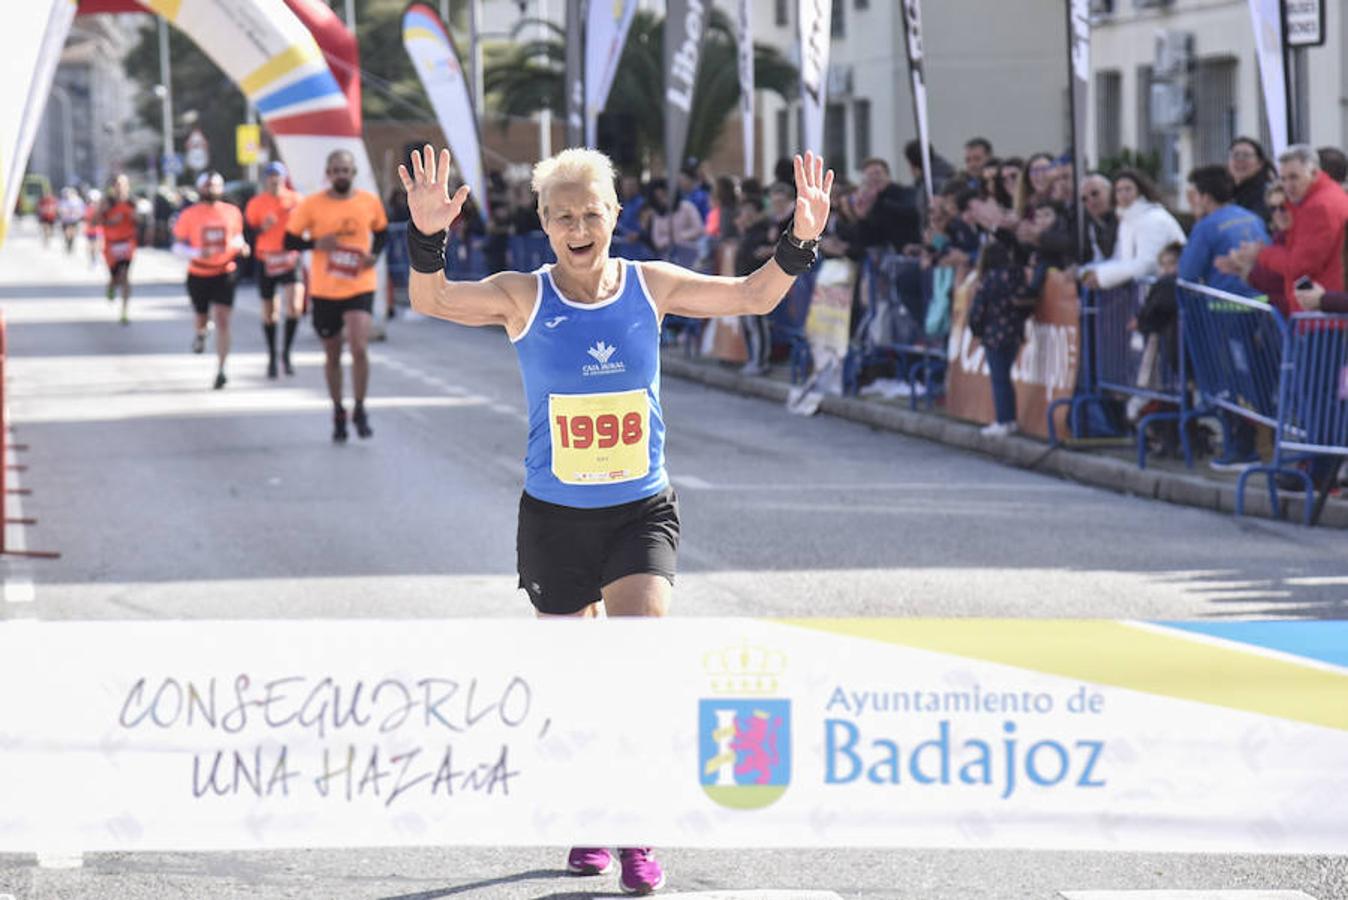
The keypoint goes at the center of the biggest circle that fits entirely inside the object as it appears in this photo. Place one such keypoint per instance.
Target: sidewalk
(1113, 467)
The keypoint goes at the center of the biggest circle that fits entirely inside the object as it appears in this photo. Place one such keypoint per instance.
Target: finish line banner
(1075, 735)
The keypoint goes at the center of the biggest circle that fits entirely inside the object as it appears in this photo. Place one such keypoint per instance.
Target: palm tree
(523, 78)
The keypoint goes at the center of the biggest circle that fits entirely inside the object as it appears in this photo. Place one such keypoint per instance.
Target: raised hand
(812, 196)
(427, 186)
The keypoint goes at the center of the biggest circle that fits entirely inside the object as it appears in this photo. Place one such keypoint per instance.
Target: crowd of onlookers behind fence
(1258, 227)
(1254, 227)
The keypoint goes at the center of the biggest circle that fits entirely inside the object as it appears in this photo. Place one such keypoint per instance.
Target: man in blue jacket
(1221, 227)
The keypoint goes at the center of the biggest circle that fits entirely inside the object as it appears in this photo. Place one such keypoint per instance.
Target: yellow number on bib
(600, 438)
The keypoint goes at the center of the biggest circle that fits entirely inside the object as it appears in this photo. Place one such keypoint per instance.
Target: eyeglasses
(1243, 155)
(1277, 207)
(1041, 168)
(1090, 194)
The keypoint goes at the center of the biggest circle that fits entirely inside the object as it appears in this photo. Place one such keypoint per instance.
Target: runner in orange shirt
(117, 217)
(267, 214)
(347, 228)
(210, 234)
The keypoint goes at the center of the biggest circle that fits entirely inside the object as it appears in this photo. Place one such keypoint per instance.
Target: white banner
(30, 48)
(433, 55)
(1266, 16)
(815, 18)
(605, 36)
(744, 40)
(1092, 735)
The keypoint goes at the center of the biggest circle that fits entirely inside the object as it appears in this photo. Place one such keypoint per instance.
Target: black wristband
(793, 260)
(426, 252)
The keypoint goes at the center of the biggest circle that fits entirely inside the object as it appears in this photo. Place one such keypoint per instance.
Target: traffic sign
(248, 144)
(198, 151)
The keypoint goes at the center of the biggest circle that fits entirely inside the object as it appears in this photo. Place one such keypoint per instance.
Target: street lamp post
(545, 114)
(67, 132)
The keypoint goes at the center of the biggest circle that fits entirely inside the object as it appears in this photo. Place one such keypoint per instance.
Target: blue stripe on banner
(319, 84)
(1324, 641)
(413, 17)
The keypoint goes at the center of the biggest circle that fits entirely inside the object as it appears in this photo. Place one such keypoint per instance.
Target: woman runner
(598, 520)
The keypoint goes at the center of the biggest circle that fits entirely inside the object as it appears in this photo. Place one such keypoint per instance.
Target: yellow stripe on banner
(169, 9)
(287, 60)
(423, 33)
(1122, 655)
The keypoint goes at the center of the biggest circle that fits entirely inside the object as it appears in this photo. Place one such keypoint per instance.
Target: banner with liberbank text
(1078, 735)
(685, 26)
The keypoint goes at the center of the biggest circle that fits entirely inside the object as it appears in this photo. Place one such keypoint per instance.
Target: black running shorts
(328, 313)
(205, 290)
(567, 555)
(119, 268)
(266, 284)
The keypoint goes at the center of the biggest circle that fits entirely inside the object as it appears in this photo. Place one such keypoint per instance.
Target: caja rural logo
(744, 734)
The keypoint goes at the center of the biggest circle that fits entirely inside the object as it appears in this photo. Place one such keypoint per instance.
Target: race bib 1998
(600, 438)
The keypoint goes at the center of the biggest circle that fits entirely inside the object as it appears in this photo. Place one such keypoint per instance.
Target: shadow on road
(532, 875)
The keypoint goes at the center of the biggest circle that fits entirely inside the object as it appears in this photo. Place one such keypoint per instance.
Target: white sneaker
(999, 429)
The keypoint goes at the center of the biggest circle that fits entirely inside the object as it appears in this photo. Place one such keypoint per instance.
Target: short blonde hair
(575, 165)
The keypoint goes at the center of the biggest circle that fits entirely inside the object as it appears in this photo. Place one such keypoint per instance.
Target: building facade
(89, 127)
(1179, 79)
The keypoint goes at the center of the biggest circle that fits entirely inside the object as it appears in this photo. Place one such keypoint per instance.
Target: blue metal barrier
(1114, 358)
(465, 261)
(1244, 361)
(395, 254)
(1312, 406)
(529, 252)
(921, 358)
(787, 321)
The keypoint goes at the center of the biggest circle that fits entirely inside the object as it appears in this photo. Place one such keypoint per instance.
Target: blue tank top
(592, 385)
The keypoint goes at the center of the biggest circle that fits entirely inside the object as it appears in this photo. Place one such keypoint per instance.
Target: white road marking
(1166, 894)
(768, 894)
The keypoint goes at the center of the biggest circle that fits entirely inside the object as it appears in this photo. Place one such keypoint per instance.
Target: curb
(1026, 453)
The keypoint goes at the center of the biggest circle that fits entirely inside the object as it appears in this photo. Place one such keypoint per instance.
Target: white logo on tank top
(602, 353)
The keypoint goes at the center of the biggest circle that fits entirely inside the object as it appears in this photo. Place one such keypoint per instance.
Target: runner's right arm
(498, 299)
(506, 298)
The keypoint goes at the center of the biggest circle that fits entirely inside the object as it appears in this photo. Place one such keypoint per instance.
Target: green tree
(523, 78)
(198, 85)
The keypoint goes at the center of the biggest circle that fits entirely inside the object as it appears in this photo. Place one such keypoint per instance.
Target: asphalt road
(171, 501)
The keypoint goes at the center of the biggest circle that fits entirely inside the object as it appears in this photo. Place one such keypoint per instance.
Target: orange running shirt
(278, 207)
(119, 232)
(212, 227)
(353, 220)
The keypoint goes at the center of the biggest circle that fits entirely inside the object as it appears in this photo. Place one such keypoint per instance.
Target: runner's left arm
(682, 292)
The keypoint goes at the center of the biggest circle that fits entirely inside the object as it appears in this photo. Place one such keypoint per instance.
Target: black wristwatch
(791, 239)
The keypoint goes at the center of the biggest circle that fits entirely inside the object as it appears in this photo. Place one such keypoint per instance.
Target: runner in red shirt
(267, 214)
(117, 217)
(210, 234)
(46, 214)
(92, 230)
